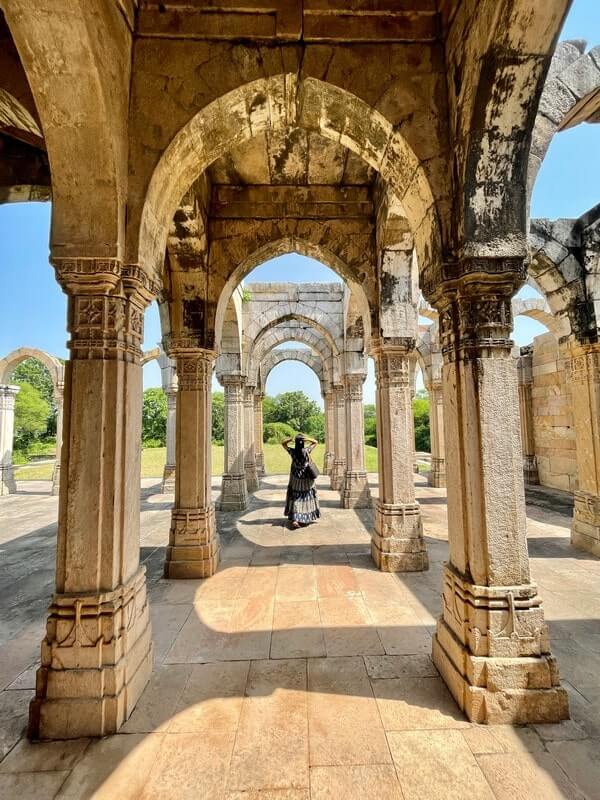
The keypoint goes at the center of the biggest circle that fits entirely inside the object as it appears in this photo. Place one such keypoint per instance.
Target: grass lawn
(153, 460)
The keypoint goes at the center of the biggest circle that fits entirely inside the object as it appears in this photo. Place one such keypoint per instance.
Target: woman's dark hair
(300, 448)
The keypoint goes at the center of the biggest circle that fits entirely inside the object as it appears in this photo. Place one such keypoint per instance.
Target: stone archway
(8, 393)
(281, 102)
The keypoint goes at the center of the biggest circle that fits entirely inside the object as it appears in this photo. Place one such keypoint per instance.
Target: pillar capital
(392, 345)
(194, 367)
(104, 276)
(233, 387)
(474, 276)
(353, 386)
(8, 392)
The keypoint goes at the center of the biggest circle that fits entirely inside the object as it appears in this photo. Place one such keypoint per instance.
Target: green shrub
(150, 443)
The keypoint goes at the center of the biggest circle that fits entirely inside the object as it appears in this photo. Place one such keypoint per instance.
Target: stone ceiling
(292, 158)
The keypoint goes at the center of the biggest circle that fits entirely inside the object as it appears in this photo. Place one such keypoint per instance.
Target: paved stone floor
(299, 671)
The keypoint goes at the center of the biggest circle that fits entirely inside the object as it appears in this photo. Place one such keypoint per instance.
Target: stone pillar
(329, 408)
(525, 373)
(397, 542)
(249, 452)
(339, 413)
(7, 431)
(234, 494)
(193, 550)
(583, 371)
(97, 653)
(491, 645)
(59, 400)
(168, 371)
(437, 474)
(168, 480)
(259, 455)
(355, 491)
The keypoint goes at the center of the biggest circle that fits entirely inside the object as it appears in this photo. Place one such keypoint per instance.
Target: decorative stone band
(502, 621)
(96, 659)
(470, 325)
(584, 365)
(193, 550)
(392, 366)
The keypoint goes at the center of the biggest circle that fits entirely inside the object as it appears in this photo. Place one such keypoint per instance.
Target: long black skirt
(301, 502)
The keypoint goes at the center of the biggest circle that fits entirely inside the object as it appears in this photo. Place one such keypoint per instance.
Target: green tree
(31, 416)
(276, 432)
(315, 426)
(218, 417)
(370, 421)
(295, 409)
(269, 410)
(154, 417)
(421, 420)
(34, 373)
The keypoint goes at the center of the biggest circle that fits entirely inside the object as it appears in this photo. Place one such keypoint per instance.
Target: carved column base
(234, 495)
(260, 464)
(168, 479)
(96, 661)
(328, 460)
(251, 476)
(355, 492)
(437, 474)
(585, 531)
(336, 477)
(55, 479)
(8, 484)
(397, 543)
(530, 470)
(193, 550)
(492, 650)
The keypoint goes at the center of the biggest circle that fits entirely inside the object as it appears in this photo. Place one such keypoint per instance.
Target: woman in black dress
(301, 503)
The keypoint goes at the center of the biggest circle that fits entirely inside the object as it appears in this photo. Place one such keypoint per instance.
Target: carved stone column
(397, 542)
(355, 491)
(525, 373)
(583, 372)
(168, 370)
(339, 464)
(7, 431)
(437, 474)
(59, 400)
(329, 407)
(168, 480)
(259, 455)
(491, 645)
(97, 653)
(193, 550)
(234, 494)
(249, 452)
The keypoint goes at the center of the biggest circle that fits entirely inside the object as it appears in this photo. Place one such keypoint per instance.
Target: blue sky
(33, 308)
